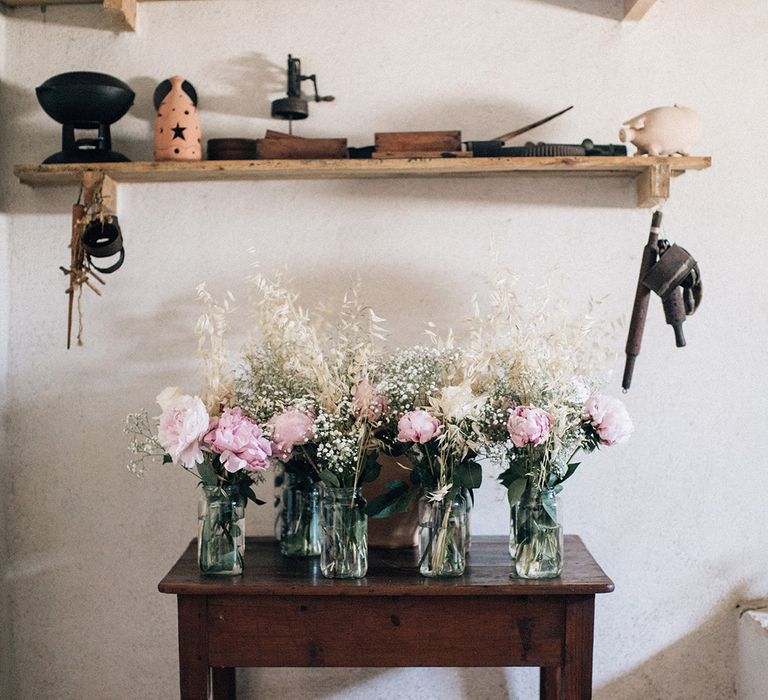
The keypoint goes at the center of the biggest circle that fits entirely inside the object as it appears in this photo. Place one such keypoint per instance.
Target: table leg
(550, 683)
(579, 633)
(193, 647)
(223, 681)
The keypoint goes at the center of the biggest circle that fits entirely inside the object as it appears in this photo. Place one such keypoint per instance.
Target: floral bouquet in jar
(436, 418)
(543, 375)
(327, 426)
(212, 439)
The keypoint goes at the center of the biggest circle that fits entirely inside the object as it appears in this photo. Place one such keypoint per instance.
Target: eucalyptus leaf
(207, 475)
(391, 501)
(330, 478)
(550, 507)
(469, 475)
(251, 495)
(371, 470)
(167, 459)
(515, 491)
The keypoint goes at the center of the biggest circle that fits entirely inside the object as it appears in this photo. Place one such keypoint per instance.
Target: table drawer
(385, 631)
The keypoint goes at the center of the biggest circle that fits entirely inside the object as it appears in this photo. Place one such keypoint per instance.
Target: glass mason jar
(221, 531)
(300, 516)
(344, 534)
(538, 534)
(442, 537)
(512, 533)
(278, 490)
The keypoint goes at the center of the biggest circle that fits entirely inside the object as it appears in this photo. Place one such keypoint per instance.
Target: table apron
(386, 631)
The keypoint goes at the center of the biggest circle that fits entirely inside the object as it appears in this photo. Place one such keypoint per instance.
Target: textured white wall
(677, 517)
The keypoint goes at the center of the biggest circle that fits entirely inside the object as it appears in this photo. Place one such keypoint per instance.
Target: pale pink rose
(528, 425)
(367, 404)
(183, 424)
(291, 428)
(238, 441)
(609, 417)
(418, 426)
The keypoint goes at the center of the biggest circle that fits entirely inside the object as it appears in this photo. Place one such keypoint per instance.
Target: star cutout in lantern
(178, 132)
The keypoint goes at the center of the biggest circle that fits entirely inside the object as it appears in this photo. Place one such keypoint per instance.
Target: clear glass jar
(538, 534)
(442, 537)
(512, 533)
(344, 534)
(300, 517)
(221, 531)
(278, 490)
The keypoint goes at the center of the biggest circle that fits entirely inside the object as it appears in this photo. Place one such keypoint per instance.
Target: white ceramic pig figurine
(664, 131)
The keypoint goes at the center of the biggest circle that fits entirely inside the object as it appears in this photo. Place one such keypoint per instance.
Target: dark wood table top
(390, 573)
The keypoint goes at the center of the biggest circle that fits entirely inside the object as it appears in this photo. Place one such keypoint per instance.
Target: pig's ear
(639, 123)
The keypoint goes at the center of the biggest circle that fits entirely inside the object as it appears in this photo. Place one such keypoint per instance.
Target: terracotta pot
(177, 127)
(398, 531)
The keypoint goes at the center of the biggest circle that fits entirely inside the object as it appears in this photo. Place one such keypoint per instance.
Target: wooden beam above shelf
(651, 173)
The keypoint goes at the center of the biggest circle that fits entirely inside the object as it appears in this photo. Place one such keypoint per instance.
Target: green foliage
(330, 478)
(395, 499)
(468, 475)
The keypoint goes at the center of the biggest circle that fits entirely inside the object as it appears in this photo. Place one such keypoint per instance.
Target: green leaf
(469, 475)
(251, 495)
(371, 470)
(167, 459)
(515, 491)
(550, 507)
(572, 467)
(391, 501)
(330, 478)
(207, 475)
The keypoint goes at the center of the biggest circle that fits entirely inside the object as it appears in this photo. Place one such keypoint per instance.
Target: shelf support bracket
(634, 10)
(96, 182)
(122, 13)
(653, 186)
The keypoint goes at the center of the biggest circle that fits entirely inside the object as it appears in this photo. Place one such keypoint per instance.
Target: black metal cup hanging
(102, 238)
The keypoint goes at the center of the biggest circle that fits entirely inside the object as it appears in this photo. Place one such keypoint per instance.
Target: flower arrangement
(225, 449)
(544, 374)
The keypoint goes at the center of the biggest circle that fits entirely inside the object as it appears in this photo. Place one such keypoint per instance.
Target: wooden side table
(282, 612)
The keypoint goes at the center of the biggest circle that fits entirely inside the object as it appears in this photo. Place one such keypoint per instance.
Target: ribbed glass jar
(300, 517)
(538, 534)
(221, 531)
(344, 534)
(442, 537)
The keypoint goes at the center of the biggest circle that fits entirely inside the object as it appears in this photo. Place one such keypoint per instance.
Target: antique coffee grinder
(295, 106)
(671, 272)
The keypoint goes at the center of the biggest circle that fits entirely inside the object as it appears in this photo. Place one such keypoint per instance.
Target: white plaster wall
(677, 517)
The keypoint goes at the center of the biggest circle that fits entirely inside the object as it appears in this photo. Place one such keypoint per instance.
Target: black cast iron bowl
(85, 99)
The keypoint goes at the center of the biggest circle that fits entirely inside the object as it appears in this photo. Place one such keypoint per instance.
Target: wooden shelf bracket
(653, 185)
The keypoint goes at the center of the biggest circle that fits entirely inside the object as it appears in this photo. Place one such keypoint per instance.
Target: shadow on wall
(610, 9)
(690, 669)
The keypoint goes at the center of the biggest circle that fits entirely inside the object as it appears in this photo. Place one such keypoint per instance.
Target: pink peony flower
(367, 404)
(418, 426)
(183, 424)
(291, 428)
(528, 425)
(238, 441)
(609, 417)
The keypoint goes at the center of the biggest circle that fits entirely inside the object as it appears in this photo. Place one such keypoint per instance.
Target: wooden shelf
(652, 173)
(123, 12)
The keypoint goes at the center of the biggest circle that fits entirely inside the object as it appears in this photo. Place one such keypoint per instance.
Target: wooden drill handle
(642, 295)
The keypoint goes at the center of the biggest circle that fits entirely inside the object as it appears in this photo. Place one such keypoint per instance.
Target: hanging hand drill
(674, 275)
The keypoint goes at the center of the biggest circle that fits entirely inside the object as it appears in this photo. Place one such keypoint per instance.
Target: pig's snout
(626, 134)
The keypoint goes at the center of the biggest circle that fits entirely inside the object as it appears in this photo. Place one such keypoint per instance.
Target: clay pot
(177, 127)
(398, 531)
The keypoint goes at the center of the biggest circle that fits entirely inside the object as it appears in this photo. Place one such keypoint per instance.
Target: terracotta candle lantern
(177, 128)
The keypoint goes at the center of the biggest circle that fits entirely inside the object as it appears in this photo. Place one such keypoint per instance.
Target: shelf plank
(211, 170)
(635, 10)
